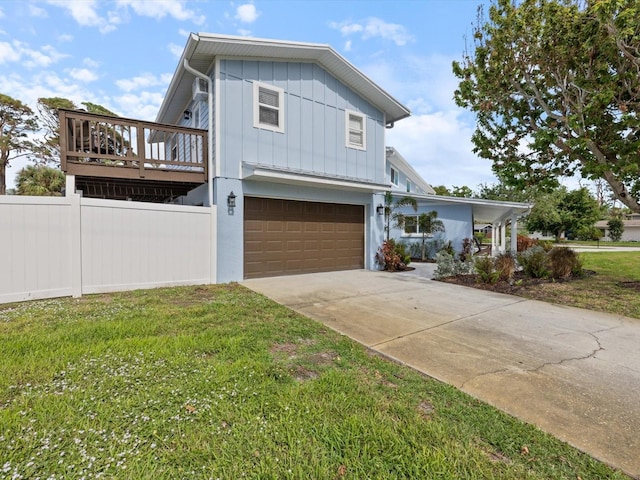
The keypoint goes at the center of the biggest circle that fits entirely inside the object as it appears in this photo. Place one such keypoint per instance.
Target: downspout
(210, 172)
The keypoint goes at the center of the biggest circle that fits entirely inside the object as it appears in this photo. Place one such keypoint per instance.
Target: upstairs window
(394, 176)
(356, 130)
(268, 112)
(408, 186)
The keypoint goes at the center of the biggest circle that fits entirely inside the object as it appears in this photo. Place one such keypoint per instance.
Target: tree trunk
(3, 180)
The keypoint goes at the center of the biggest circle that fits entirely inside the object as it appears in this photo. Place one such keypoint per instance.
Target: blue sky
(122, 53)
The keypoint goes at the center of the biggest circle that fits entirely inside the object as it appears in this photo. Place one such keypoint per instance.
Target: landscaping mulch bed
(517, 284)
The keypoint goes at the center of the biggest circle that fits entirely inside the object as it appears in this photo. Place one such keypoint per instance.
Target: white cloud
(8, 53)
(143, 105)
(91, 63)
(36, 11)
(83, 11)
(438, 146)
(65, 37)
(175, 50)
(159, 9)
(374, 27)
(30, 58)
(82, 74)
(244, 32)
(247, 13)
(142, 81)
(347, 46)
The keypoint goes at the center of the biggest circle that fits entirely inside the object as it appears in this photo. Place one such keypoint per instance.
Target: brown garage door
(286, 237)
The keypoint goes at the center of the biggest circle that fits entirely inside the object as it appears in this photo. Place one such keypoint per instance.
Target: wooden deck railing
(95, 145)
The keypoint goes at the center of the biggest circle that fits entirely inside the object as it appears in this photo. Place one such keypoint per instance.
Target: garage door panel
(284, 237)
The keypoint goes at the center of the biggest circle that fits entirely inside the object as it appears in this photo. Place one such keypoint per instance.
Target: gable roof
(202, 48)
(397, 160)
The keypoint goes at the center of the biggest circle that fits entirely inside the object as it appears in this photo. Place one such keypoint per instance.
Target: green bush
(486, 269)
(534, 262)
(445, 265)
(564, 262)
(448, 265)
(393, 256)
(505, 265)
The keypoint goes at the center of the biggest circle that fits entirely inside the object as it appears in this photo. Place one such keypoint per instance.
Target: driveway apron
(572, 372)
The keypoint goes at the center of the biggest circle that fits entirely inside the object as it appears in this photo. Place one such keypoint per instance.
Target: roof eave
(321, 54)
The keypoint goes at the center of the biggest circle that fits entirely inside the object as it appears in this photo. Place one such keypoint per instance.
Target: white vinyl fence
(69, 246)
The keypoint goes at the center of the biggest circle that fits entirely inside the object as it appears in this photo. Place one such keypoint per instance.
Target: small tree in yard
(616, 228)
(428, 224)
(391, 213)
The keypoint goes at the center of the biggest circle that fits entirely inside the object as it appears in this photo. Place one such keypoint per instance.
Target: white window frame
(257, 105)
(417, 233)
(408, 186)
(347, 126)
(394, 176)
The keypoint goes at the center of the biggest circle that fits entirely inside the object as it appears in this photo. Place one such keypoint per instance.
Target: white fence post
(75, 228)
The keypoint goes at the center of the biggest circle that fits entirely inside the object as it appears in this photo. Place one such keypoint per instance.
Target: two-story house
(286, 142)
(296, 144)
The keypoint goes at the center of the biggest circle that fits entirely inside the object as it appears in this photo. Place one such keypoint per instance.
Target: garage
(288, 237)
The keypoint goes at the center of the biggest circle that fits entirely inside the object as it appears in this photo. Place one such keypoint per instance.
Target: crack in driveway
(545, 364)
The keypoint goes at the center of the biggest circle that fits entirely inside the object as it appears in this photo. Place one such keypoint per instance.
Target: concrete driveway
(572, 372)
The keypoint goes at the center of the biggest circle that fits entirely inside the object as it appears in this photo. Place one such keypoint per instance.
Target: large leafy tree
(40, 180)
(555, 87)
(563, 211)
(17, 122)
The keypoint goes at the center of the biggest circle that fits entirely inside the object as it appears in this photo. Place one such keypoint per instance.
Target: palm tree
(391, 213)
(40, 180)
(428, 223)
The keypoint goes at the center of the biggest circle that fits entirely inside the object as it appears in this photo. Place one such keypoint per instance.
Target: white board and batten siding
(71, 246)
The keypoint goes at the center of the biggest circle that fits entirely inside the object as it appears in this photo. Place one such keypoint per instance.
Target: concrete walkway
(572, 372)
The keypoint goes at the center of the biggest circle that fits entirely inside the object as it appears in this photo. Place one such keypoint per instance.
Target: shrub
(449, 266)
(616, 228)
(564, 262)
(415, 250)
(505, 266)
(467, 249)
(534, 262)
(525, 243)
(486, 269)
(445, 265)
(392, 256)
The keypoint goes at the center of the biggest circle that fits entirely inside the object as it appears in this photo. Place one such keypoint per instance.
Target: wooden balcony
(115, 157)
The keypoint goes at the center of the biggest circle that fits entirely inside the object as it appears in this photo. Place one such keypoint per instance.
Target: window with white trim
(394, 176)
(408, 185)
(411, 224)
(356, 134)
(268, 107)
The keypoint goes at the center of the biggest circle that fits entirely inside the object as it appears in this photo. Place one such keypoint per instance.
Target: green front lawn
(615, 287)
(219, 382)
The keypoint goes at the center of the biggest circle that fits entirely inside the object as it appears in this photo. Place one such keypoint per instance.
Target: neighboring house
(631, 228)
(286, 141)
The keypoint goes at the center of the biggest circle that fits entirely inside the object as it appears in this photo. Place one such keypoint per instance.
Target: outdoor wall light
(231, 200)
(380, 209)
(187, 114)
